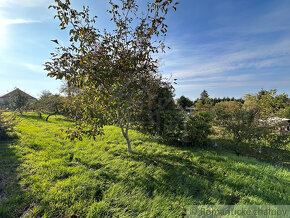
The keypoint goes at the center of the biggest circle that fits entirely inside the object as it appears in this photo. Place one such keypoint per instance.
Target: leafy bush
(275, 140)
(285, 112)
(240, 123)
(236, 121)
(268, 103)
(49, 103)
(197, 129)
(162, 117)
(273, 136)
(7, 123)
(159, 115)
(174, 126)
(184, 102)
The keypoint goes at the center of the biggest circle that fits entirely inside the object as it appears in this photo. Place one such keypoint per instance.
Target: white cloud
(247, 50)
(205, 61)
(4, 21)
(230, 84)
(35, 68)
(275, 20)
(243, 77)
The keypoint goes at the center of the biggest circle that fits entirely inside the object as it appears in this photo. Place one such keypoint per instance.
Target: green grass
(277, 156)
(44, 175)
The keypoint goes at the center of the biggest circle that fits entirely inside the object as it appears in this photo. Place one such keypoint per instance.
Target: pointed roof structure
(4, 98)
(19, 91)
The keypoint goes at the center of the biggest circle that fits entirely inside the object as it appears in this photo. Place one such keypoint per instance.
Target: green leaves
(113, 69)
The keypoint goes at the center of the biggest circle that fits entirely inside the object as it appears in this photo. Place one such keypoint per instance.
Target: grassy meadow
(44, 175)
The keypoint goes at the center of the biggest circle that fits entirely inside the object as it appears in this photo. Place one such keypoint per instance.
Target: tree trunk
(125, 133)
(126, 136)
(128, 143)
(50, 115)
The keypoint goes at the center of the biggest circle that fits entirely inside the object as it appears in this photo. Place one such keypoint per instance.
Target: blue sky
(226, 47)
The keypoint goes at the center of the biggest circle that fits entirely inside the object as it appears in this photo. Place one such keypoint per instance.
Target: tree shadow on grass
(204, 181)
(35, 117)
(12, 197)
(32, 117)
(276, 156)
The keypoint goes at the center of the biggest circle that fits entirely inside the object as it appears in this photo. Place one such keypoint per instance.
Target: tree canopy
(184, 102)
(204, 95)
(268, 103)
(49, 103)
(113, 69)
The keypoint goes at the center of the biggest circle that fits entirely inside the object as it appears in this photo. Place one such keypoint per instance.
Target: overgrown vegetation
(181, 155)
(49, 103)
(47, 176)
(236, 121)
(7, 123)
(268, 103)
(197, 129)
(184, 102)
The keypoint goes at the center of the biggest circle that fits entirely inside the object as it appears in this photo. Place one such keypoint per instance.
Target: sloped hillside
(44, 175)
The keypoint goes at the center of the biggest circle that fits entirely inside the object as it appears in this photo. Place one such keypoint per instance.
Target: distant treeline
(218, 100)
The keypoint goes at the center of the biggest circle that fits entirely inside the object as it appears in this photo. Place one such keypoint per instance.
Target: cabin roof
(17, 90)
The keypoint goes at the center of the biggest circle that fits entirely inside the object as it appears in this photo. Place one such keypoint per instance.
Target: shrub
(7, 123)
(236, 121)
(184, 102)
(197, 129)
(159, 115)
(240, 123)
(174, 126)
(49, 103)
(276, 140)
(285, 112)
(273, 135)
